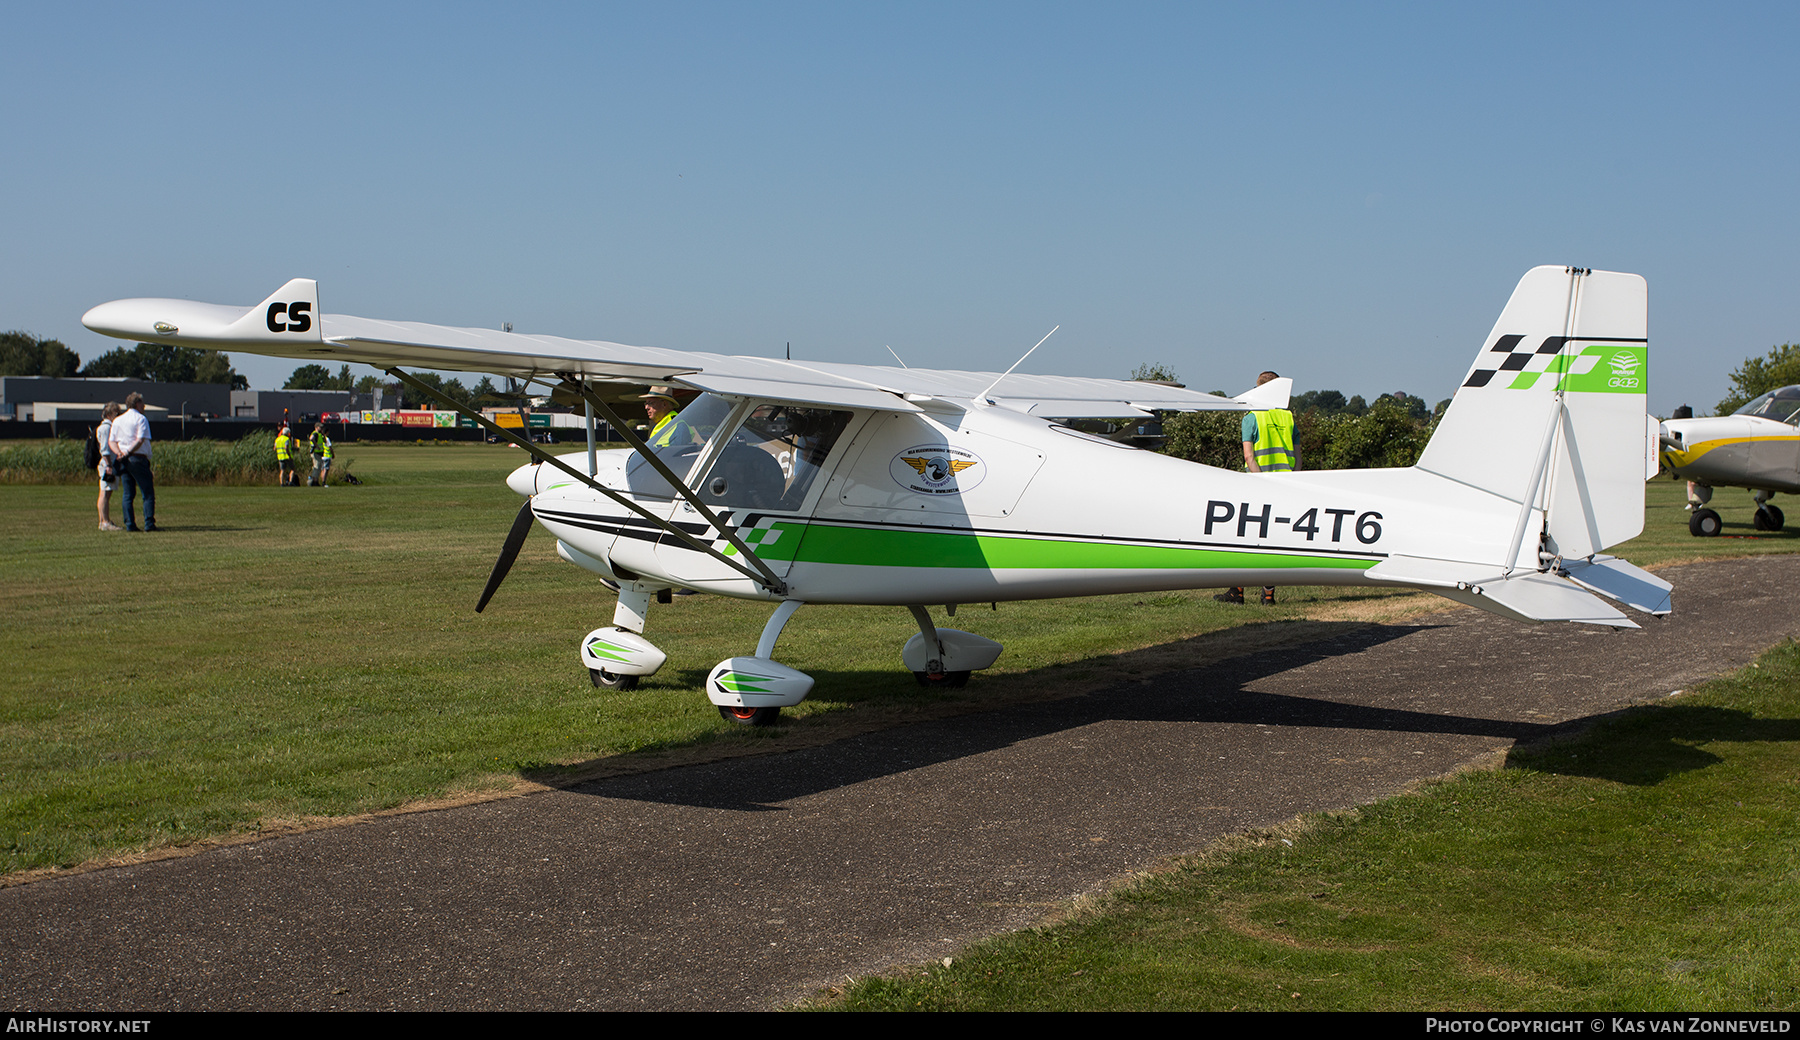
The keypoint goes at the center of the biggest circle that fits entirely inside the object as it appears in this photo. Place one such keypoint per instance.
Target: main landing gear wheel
(1768, 518)
(949, 680)
(608, 681)
(1705, 524)
(749, 716)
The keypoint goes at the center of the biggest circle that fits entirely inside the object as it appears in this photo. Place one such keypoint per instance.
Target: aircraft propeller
(508, 553)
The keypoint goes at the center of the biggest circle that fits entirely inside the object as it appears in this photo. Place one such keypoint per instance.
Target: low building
(20, 394)
(291, 405)
(65, 411)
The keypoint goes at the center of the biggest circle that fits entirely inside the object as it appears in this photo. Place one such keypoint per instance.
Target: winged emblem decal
(937, 469)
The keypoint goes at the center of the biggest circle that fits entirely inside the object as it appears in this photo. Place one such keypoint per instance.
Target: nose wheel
(608, 681)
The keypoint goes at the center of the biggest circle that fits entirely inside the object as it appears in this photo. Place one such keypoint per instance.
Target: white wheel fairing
(754, 682)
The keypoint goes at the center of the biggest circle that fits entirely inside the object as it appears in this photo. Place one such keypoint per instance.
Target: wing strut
(773, 583)
(767, 579)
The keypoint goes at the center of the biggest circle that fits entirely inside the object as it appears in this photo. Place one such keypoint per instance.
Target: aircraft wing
(290, 324)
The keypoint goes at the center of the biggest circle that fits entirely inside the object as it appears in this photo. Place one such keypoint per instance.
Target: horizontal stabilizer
(1616, 579)
(1527, 596)
(1272, 394)
(1539, 597)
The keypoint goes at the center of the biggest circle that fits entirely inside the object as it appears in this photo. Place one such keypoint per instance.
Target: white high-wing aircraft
(807, 482)
(1756, 447)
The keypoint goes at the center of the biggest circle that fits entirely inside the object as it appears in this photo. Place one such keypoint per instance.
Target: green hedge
(250, 460)
(1384, 436)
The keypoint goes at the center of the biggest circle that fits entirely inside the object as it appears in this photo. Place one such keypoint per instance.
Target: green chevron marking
(743, 682)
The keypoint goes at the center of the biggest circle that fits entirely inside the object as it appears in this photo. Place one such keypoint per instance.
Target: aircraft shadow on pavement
(1215, 694)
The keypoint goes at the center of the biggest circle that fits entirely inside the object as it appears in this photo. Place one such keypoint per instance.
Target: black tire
(1705, 524)
(608, 681)
(1768, 518)
(750, 716)
(949, 680)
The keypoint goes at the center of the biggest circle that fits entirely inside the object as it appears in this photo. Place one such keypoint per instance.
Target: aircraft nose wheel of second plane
(608, 681)
(1705, 524)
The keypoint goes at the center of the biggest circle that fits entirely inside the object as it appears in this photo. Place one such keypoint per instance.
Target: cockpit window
(773, 458)
(1782, 405)
(677, 441)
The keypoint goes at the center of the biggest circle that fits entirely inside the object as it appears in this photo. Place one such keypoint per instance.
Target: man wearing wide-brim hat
(665, 427)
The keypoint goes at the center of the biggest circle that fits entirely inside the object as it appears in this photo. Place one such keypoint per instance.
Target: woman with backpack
(100, 459)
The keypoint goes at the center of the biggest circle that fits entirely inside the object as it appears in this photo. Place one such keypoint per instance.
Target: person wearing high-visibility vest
(1268, 448)
(321, 457)
(666, 425)
(284, 457)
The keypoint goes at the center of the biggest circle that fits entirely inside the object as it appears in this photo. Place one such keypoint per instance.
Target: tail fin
(1550, 419)
(286, 324)
(1561, 379)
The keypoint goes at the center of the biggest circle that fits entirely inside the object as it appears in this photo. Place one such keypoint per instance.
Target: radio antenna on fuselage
(896, 356)
(982, 398)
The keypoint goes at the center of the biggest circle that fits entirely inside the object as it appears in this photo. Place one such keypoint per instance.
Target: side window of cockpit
(773, 459)
(677, 442)
(1786, 405)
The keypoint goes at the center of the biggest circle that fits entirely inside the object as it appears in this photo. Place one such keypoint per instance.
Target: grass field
(276, 654)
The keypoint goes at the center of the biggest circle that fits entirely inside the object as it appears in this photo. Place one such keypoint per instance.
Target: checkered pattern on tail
(1514, 354)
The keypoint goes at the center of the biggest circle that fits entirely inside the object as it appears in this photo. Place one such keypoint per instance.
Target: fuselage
(1748, 451)
(980, 504)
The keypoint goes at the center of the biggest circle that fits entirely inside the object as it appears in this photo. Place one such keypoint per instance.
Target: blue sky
(1344, 192)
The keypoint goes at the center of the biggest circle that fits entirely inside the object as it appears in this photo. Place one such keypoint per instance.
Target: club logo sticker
(937, 469)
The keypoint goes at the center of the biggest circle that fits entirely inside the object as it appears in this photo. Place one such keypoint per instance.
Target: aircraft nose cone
(524, 480)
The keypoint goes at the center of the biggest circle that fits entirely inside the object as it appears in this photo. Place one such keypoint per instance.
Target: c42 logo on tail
(1601, 367)
(937, 469)
(299, 316)
(1625, 370)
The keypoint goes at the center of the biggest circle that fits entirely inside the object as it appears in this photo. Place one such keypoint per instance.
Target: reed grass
(247, 460)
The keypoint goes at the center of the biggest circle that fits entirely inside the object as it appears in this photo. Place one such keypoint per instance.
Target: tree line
(1758, 375)
(23, 354)
(318, 377)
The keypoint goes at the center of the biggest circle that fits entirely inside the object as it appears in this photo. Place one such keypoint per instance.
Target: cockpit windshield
(677, 440)
(1782, 405)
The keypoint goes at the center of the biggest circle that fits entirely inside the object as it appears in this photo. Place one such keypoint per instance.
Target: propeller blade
(508, 553)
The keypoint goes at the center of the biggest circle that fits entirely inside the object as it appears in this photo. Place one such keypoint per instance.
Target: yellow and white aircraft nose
(524, 479)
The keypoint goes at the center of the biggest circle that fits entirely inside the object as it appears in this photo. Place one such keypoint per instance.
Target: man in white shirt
(131, 454)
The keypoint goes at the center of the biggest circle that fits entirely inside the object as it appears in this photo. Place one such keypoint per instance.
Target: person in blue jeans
(131, 455)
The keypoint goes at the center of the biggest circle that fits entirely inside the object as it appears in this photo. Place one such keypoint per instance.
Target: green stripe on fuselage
(888, 547)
